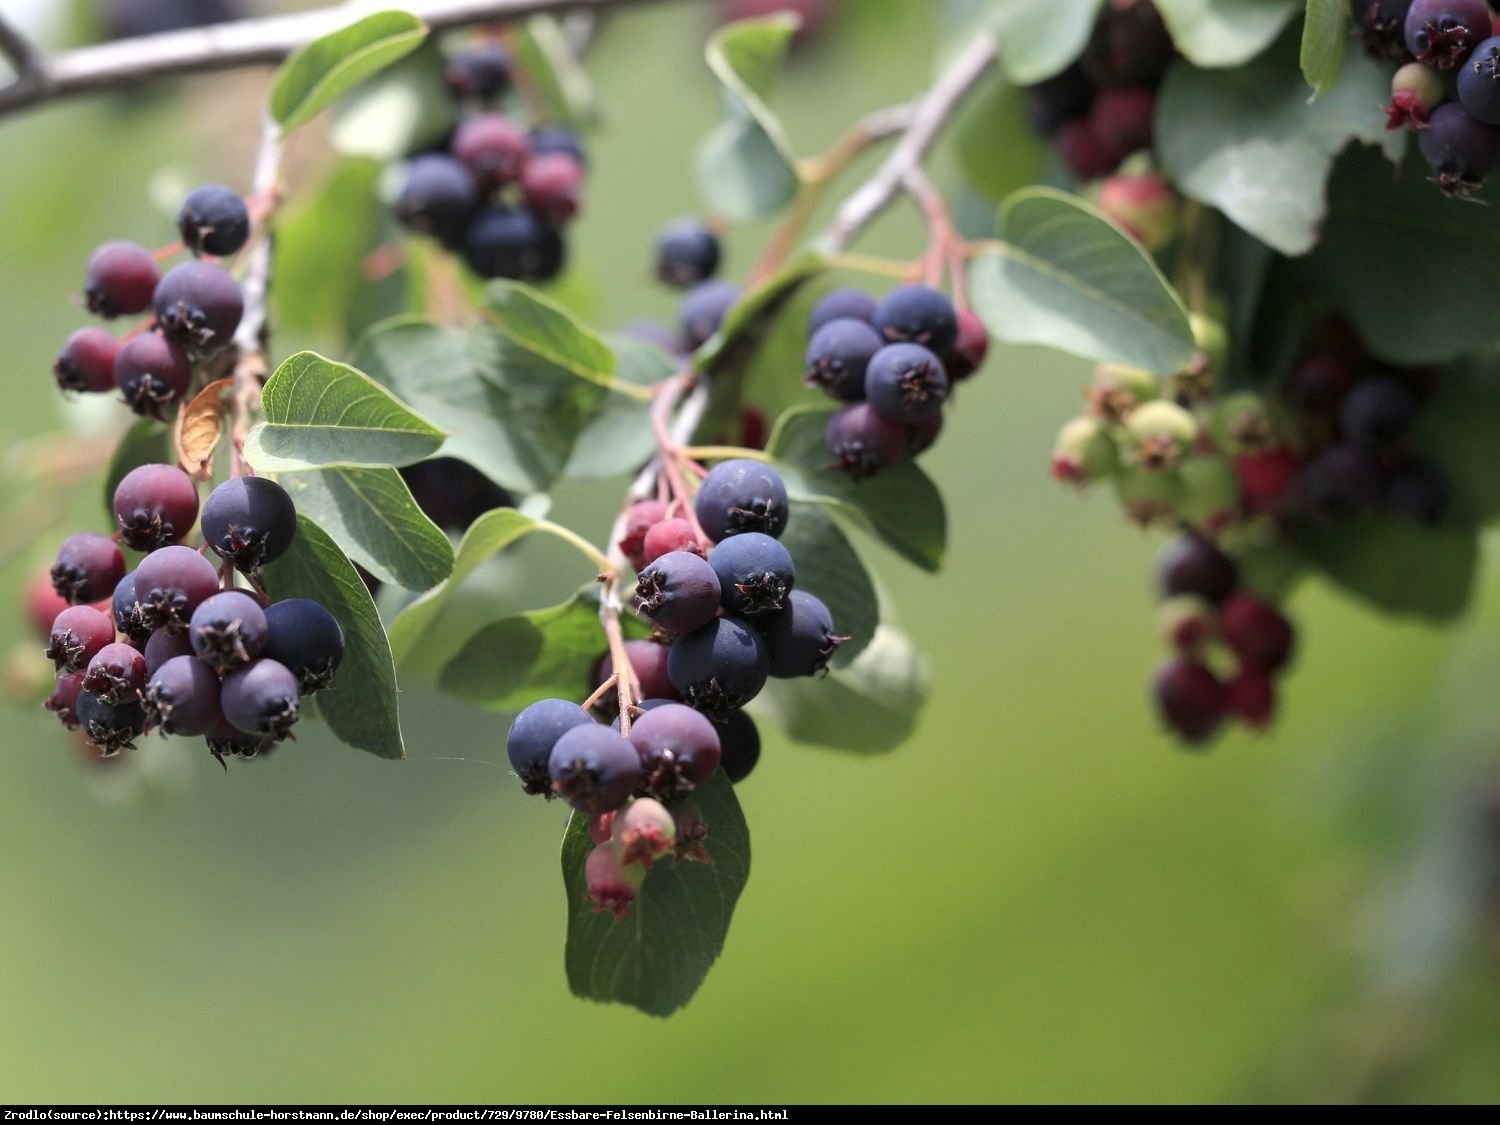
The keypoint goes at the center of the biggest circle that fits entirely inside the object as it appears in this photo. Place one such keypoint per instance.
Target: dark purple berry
(838, 355)
(739, 496)
(214, 220)
(678, 748)
(593, 768)
(262, 698)
(1460, 149)
(1340, 483)
(922, 436)
(841, 304)
(1083, 152)
(111, 727)
(906, 383)
(966, 356)
(1318, 384)
(225, 740)
(164, 645)
(719, 667)
(171, 583)
(554, 138)
(687, 252)
(648, 661)
(303, 635)
(755, 573)
(915, 314)
(678, 592)
(703, 310)
(63, 702)
(480, 70)
(153, 373)
(249, 521)
(1130, 47)
(116, 674)
(228, 630)
(533, 734)
(88, 568)
(1122, 118)
(452, 493)
(517, 244)
(1380, 25)
(1256, 631)
(494, 147)
(1418, 491)
(78, 634)
(438, 198)
(199, 305)
(552, 186)
(862, 442)
(1479, 82)
(1378, 411)
(120, 280)
(800, 639)
(1190, 564)
(1443, 33)
(127, 611)
(155, 505)
(182, 697)
(87, 362)
(1054, 102)
(739, 745)
(1192, 700)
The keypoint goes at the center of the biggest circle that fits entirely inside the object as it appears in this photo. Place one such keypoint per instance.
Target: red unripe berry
(968, 351)
(648, 660)
(1121, 118)
(754, 428)
(87, 361)
(644, 831)
(43, 603)
(1191, 699)
(77, 635)
(1251, 697)
(494, 147)
(1084, 153)
(675, 534)
(152, 373)
(602, 826)
(1144, 205)
(120, 280)
(552, 185)
(155, 505)
(1266, 478)
(612, 885)
(1258, 632)
(88, 568)
(641, 517)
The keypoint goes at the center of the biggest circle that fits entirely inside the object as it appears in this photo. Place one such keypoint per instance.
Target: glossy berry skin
(182, 697)
(838, 355)
(642, 516)
(155, 505)
(755, 573)
(552, 186)
(1190, 564)
(863, 443)
(120, 280)
(966, 356)
(228, 630)
(1378, 411)
(305, 637)
(438, 198)
(249, 521)
(799, 639)
(1479, 82)
(481, 70)
(1418, 491)
(721, 666)
(678, 748)
(111, 727)
(153, 373)
(703, 310)
(553, 138)
(86, 363)
(164, 645)
(532, 735)
(78, 634)
(63, 701)
(739, 745)
(199, 305)
(87, 569)
(841, 304)
(1443, 33)
(452, 493)
(494, 147)
(916, 314)
(1460, 149)
(739, 496)
(678, 592)
(1191, 699)
(1084, 153)
(1055, 101)
(171, 583)
(116, 674)
(1340, 483)
(648, 660)
(1250, 696)
(1121, 118)
(906, 383)
(593, 768)
(214, 220)
(500, 242)
(262, 698)
(687, 252)
(1257, 632)
(675, 534)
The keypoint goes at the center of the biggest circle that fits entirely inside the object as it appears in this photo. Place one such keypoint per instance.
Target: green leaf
(900, 505)
(321, 413)
(748, 321)
(547, 653)
(656, 956)
(997, 151)
(310, 80)
(870, 707)
(828, 566)
(554, 72)
(1039, 38)
(146, 442)
(401, 110)
(548, 331)
(618, 438)
(360, 707)
(1324, 33)
(1246, 141)
(1398, 566)
(1457, 426)
(370, 513)
(746, 169)
(1220, 33)
(1063, 275)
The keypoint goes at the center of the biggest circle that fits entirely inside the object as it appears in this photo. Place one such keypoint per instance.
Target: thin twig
(251, 368)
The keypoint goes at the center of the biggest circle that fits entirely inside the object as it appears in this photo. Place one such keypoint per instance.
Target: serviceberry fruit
(838, 355)
(262, 698)
(687, 252)
(1191, 699)
(1117, 390)
(678, 748)
(1378, 411)
(116, 674)
(1256, 631)
(480, 70)
(199, 305)
(841, 304)
(552, 186)
(916, 314)
(862, 442)
(755, 573)
(63, 702)
(1319, 382)
(675, 534)
(228, 630)
(1130, 46)
(1266, 478)
(642, 516)
(120, 280)
(739, 745)
(305, 637)
(1341, 482)
(1250, 696)
(500, 242)
(1187, 622)
(249, 521)
(1144, 205)
(741, 495)
(214, 220)
(922, 436)
(1160, 434)
(452, 493)
(703, 310)
(172, 582)
(494, 147)
(164, 645)
(1460, 149)
(906, 383)
(799, 638)
(152, 373)
(43, 603)
(88, 568)
(78, 633)
(593, 768)
(678, 592)
(1479, 82)
(648, 660)
(227, 741)
(1121, 118)
(1055, 101)
(644, 830)
(692, 830)
(1380, 25)
(1083, 152)
(111, 727)
(1416, 90)
(966, 356)
(1442, 33)
(182, 697)
(438, 198)
(719, 667)
(1418, 491)
(87, 362)
(155, 505)
(1190, 564)
(612, 885)
(532, 735)
(1084, 451)
(546, 139)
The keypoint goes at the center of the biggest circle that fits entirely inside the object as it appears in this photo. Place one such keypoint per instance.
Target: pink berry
(674, 534)
(612, 885)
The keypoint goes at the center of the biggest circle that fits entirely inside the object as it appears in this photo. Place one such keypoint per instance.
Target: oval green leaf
(314, 76)
(1218, 33)
(548, 331)
(516, 661)
(1039, 38)
(1324, 33)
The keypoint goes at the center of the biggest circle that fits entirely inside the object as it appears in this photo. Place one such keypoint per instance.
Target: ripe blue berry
(533, 734)
(678, 592)
(171, 583)
(249, 521)
(262, 698)
(906, 383)
(1191, 699)
(438, 198)
(303, 635)
(687, 252)
(1054, 102)
(1378, 411)
(1479, 82)
(88, 568)
(678, 748)
(214, 220)
(480, 70)
(127, 611)
(153, 373)
(1256, 631)
(554, 138)
(77, 635)
(182, 697)
(86, 363)
(1418, 491)
(494, 147)
(1342, 482)
(116, 674)
(164, 645)
(228, 630)
(503, 243)
(841, 304)
(862, 442)
(155, 505)
(1442, 33)
(755, 573)
(120, 280)
(63, 702)
(452, 493)
(739, 745)
(199, 305)
(593, 768)
(719, 667)
(703, 309)
(915, 314)
(739, 496)
(800, 639)
(1460, 149)
(838, 355)
(1190, 564)
(111, 727)
(922, 436)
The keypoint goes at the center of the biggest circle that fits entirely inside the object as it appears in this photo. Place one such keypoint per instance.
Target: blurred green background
(1039, 897)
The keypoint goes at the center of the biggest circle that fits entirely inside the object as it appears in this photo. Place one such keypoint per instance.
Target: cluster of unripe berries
(194, 309)
(496, 193)
(172, 645)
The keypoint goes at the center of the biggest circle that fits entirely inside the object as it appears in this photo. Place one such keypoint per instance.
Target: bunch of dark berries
(191, 312)
(173, 645)
(719, 591)
(498, 193)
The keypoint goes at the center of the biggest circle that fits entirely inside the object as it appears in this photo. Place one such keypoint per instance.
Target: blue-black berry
(1443, 33)
(841, 304)
(917, 314)
(799, 639)
(533, 734)
(837, 356)
(739, 745)
(111, 727)
(438, 198)
(1378, 411)
(687, 252)
(739, 496)
(182, 697)
(906, 383)
(228, 630)
(199, 305)
(863, 443)
(213, 220)
(703, 310)
(678, 592)
(1479, 82)
(303, 635)
(501, 242)
(719, 667)
(262, 699)
(755, 573)
(249, 521)
(594, 768)
(678, 748)
(480, 70)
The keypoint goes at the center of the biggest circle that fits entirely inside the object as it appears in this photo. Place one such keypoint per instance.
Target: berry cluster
(193, 309)
(893, 364)
(172, 645)
(497, 193)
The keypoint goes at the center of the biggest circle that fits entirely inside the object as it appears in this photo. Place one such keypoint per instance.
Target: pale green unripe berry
(1118, 390)
(1148, 495)
(1160, 434)
(1084, 451)
(1210, 490)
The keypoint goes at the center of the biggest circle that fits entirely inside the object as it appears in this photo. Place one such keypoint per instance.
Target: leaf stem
(721, 453)
(600, 559)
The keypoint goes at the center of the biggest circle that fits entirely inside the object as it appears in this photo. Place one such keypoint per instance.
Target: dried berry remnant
(739, 496)
(303, 635)
(155, 506)
(532, 735)
(249, 521)
(87, 569)
(199, 305)
(153, 374)
(719, 667)
(799, 639)
(262, 699)
(120, 280)
(755, 573)
(863, 443)
(214, 220)
(679, 750)
(687, 253)
(86, 363)
(593, 768)
(678, 592)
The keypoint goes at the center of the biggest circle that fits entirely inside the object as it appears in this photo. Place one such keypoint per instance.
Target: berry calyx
(1416, 90)
(153, 373)
(116, 674)
(78, 633)
(63, 701)
(755, 573)
(199, 305)
(906, 383)
(1443, 33)
(87, 569)
(678, 592)
(1160, 434)
(1117, 390)
(110, 727)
